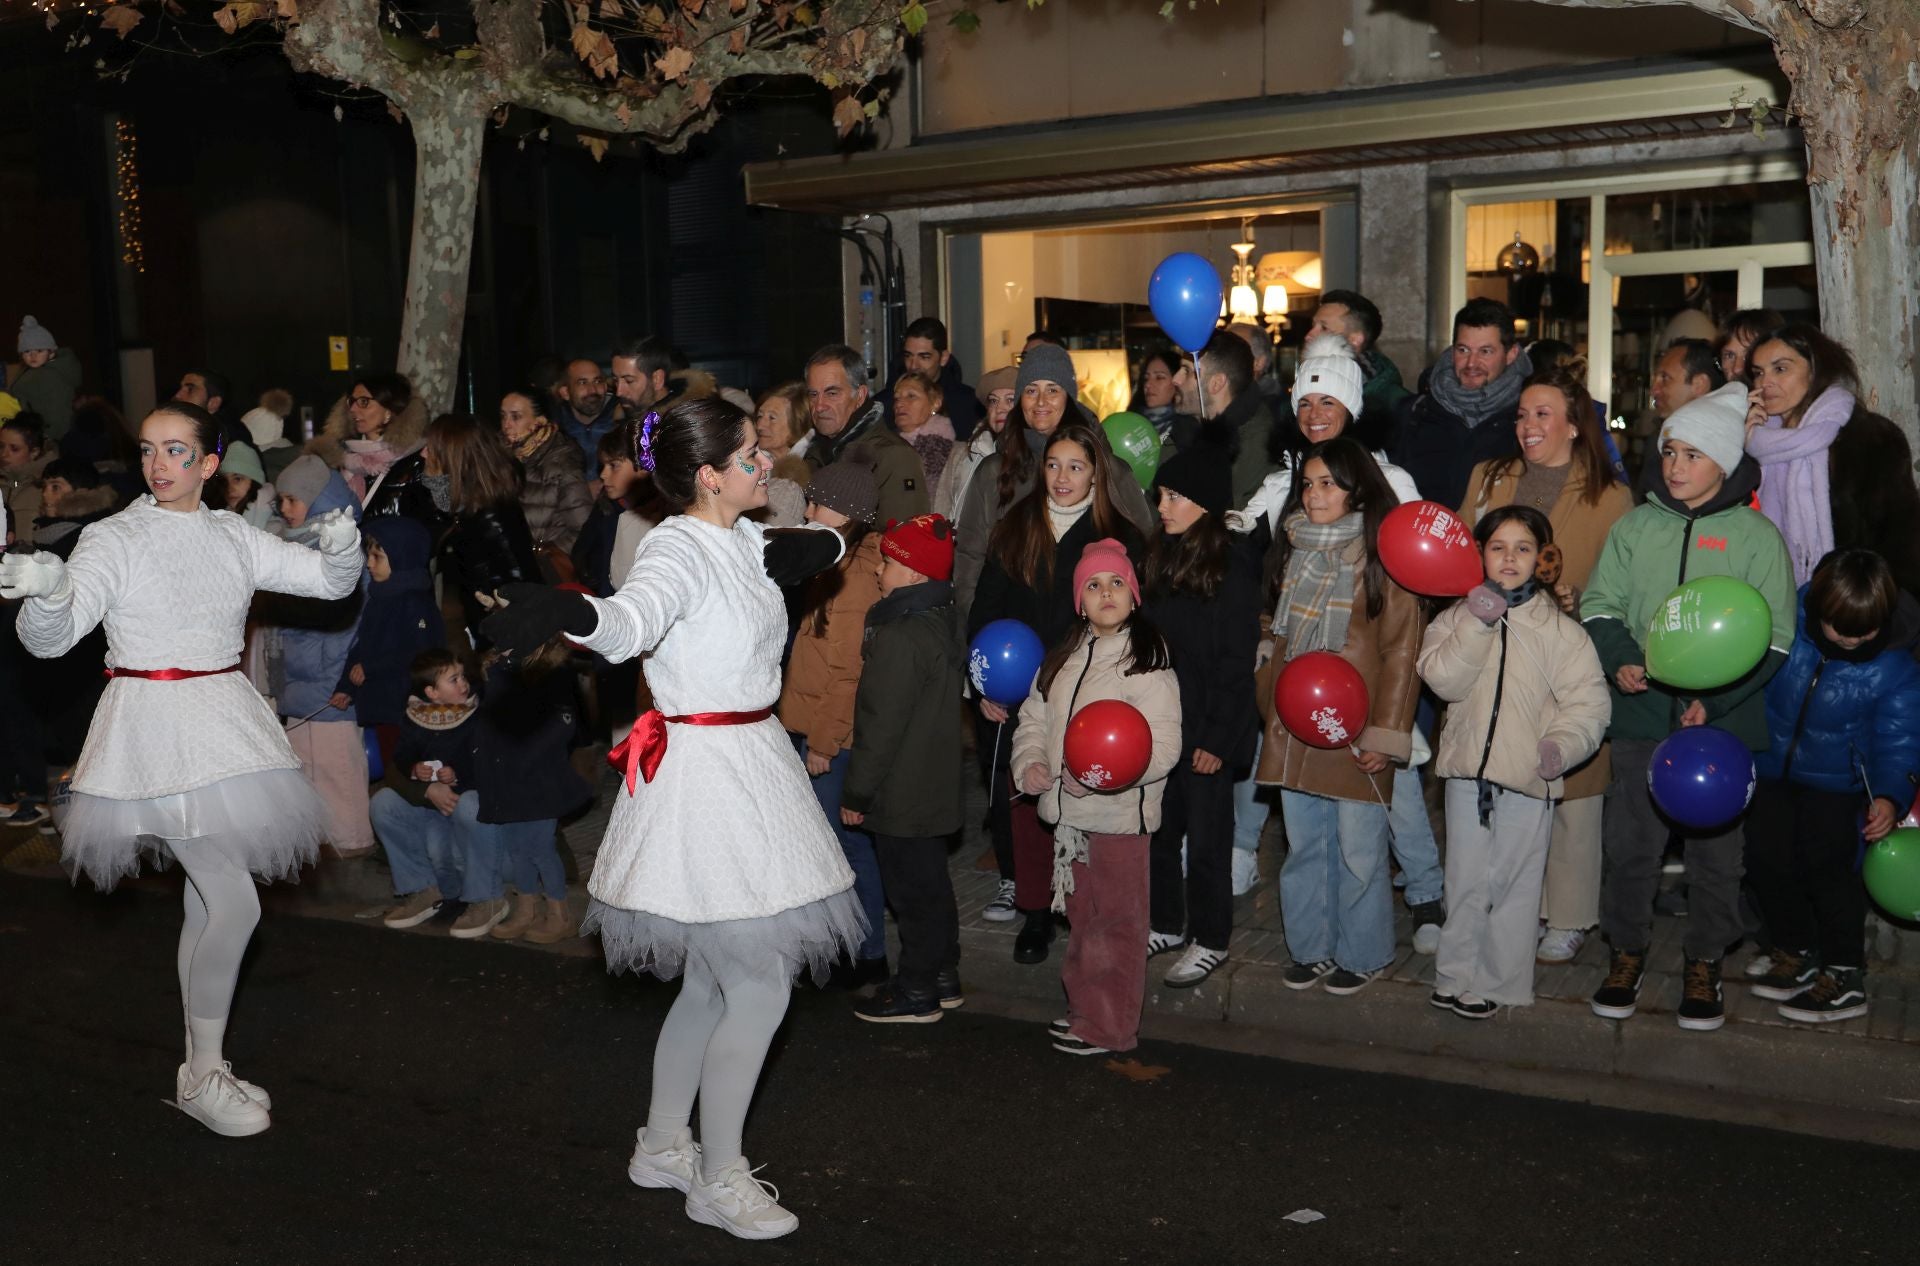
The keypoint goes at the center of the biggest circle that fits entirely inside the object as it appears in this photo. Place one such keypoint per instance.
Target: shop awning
(1448, 119)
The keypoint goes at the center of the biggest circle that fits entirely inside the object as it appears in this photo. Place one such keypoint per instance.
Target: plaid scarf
(1316, 598)
(535, 438)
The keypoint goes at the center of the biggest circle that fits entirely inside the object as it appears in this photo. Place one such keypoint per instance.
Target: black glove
(793, 554)
(533, 613)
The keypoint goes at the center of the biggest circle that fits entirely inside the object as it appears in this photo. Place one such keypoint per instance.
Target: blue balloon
(1701, 777)
(376, 768)
(1003, 660)
(1184, 294)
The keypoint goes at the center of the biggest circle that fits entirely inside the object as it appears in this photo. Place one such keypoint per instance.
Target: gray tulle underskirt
(805, 938)
(271, 822)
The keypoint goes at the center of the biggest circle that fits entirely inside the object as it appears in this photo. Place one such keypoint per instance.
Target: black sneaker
(1444, 1001)
(1068, 1044)
(1473, 1007)
(1702, 1008)
(892, 1004)
(1343, 982)
(853, 974)
(1787, 977)
(947, 985)
(1837, 993)
(27, 814)
(1035, 936)
(1619, 994)
(1306, 975)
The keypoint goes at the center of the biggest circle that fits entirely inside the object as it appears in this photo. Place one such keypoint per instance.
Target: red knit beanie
(924, 543)
(1103, 555)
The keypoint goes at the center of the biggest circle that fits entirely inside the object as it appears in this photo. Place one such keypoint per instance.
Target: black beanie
(1203, 475)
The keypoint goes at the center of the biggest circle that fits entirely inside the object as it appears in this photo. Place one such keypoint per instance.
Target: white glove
(39, 575)
(1263, 654)
(1240, 521)
(336, 533)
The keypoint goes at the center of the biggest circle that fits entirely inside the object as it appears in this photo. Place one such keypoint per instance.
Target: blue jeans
(1251, 804)
(1413, 844)
(484, 849)
(419, 844)
(858, 846)
(1335, 898)
(533, 857)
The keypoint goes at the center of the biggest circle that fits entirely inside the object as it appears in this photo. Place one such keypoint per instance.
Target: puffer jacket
(363, 462)
(483, 550)
(400, 619)
(554, 498)
(315, 634)
(58, 534)
(905, 771)
(1097, 670)
(525, 733)
(1530, 678)
(823, 674)
(1828, 715)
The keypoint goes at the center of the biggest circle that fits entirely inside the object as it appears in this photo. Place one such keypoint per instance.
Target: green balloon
(1708, 633)
(1892, 872)
(1136, 443)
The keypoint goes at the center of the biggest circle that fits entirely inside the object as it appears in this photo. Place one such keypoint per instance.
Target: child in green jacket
(1698, 523)
(903, 783)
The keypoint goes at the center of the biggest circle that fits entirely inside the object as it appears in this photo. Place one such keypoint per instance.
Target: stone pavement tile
(1204, 1001)
(1885, 985)
(1885, 1019)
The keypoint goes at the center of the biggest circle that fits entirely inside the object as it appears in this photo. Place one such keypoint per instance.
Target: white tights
(222, 910)
(712, 1045)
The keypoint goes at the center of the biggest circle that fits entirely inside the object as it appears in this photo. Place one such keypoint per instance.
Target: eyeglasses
(359, 402)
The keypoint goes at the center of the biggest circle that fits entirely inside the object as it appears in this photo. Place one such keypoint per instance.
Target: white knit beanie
(265, 426)
(1328, 368)
(1715, 423)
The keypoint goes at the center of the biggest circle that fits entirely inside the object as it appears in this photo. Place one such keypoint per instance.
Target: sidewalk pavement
(1855, 1079)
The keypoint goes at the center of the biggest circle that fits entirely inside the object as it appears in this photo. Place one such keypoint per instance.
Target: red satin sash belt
(171, 674)
(642, 750)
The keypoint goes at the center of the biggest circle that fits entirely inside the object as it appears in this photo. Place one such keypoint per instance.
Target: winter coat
(1384, 651)
(1654, 549)
(483, 550)
(315, 633)
(897, 473)
(363, 462)
(905, 771)
(20, 493)
(400, 619)
(402, 492)
(58, 534)
(934, 451)
(432, 731)
(554, 498)
(1252, 425)
(1874, 503)
(1529, 678)
(1380, 395)
(981, 511)
(965, 459)
(1579, 527)
(1050, 611)
(1095, 671)
(1829, 714)
(1440, 450)
(49, 391)
(593, 550)
(585, 434)
(521, 748)
(1213, 642)
(823, 672)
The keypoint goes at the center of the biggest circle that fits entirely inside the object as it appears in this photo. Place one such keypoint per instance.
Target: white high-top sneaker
(740, 1204)
(674, 1167)
(218, 1102)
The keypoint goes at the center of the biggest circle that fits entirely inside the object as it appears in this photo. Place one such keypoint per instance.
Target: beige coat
(1096, 671)
(1549, 684)
(823, 673)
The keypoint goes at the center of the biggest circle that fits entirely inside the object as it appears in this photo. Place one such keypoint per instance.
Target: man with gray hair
(849, 425)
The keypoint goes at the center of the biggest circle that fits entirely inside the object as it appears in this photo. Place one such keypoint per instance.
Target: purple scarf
(1793, 477)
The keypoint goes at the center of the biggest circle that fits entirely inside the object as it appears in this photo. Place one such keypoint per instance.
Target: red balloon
(1321, 700)
(1108, 744)
(1429, 549)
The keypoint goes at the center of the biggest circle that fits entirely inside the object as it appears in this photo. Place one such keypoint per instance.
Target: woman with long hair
(553, 495)
(473, 485)
(997, 398)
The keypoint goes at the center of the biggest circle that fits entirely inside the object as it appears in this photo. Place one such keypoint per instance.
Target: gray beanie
(304, 478)
(1715, 423)
(239, 459)
(846, 487)
(1045, 362)
(35, 337)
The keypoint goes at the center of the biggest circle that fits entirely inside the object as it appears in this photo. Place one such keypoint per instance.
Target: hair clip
(645, 455)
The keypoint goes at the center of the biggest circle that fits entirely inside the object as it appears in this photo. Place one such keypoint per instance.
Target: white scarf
(1062, 518)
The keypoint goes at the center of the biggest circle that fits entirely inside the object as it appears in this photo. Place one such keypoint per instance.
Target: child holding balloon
(1668, 675)
(1529, 703)
(1843, 722)
(1101, 831)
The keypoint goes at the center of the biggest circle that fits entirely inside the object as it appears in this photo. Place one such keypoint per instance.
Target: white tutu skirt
(271, 821)
(806, 938)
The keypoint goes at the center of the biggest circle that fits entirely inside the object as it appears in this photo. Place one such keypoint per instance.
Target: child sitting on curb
(412, 814)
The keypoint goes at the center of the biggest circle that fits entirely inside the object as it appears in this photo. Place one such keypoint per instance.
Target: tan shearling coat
(823, 674)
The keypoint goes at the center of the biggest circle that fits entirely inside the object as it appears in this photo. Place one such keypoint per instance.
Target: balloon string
(1199, 386)
(1373, 786)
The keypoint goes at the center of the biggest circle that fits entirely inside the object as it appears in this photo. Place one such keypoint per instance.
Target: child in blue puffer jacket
(1843, 722)
(400, 619)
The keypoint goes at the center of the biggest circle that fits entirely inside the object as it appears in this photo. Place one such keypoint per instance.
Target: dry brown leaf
(674, 64)
(288, 9)
(701, 94)
(120, 19)
(609, 9)
(230, 18)
(596, 145)
(596, 50)
(737, 40)
(848, 115)
(624, 113)
(736, 6)
(433, 32)
(692, 7)
(857, 41)
(1134, 1070)
(395, 113)
(653, 17)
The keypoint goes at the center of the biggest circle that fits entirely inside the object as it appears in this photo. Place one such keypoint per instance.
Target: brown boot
(525, 914)
(555, 924)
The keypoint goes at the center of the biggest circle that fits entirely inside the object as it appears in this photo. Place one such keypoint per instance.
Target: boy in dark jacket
(400, 619)
(904, 782)
(1843, 721)
(71, 496)
(412, 812)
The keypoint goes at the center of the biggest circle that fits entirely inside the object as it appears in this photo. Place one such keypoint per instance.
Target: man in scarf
(1465, 411)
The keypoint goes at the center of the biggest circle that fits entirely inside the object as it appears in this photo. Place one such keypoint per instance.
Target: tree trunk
(449, 133)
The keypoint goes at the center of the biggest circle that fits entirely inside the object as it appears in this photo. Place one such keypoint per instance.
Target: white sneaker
(1195, 965)
(1559, 945)
(247, 1088)
(1162, 942)
(217, 1102)
(740, 1204)
(1426, 938)
(1001, 909)
(1246, 871)
(674, 1167)
(1759, 965)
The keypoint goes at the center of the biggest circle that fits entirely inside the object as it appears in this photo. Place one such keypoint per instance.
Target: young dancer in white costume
(718, 865)
(185, 761)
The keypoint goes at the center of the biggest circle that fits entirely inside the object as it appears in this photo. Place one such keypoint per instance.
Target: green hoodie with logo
(1649, 553)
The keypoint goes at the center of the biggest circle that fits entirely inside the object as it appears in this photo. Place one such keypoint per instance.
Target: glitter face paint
(746, 467)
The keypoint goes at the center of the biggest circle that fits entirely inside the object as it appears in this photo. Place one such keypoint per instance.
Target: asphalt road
(447, 1102)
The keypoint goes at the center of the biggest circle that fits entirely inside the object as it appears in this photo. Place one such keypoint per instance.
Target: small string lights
(133, 250)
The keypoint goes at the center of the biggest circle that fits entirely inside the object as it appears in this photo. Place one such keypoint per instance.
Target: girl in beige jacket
(1100, 836)
(1529, 702)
